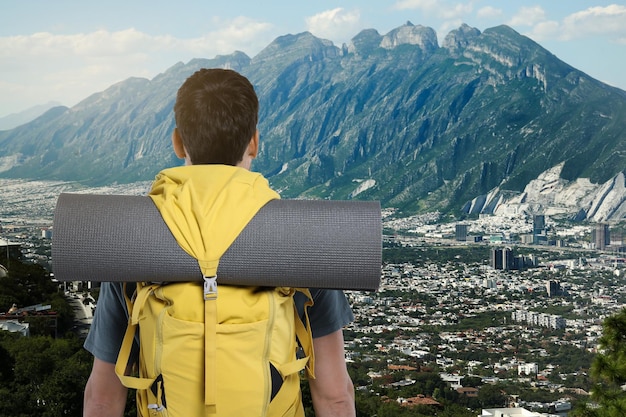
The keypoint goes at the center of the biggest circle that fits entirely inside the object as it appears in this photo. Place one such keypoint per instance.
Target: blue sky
(65, 50)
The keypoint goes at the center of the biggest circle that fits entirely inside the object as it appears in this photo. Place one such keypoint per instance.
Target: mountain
(393, 117)
(15, 119)
(552, 195)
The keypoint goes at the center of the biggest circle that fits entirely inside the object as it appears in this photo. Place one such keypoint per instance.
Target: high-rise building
(508, 260)
(496, 258)
(539, 222)
(553, 288)
(601, 236)
(502, 259)
(461, 232)
(539, 227)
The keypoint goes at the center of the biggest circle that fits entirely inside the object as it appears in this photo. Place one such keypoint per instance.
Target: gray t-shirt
(329, 313)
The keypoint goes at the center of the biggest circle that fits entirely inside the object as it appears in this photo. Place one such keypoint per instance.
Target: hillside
(395, 117)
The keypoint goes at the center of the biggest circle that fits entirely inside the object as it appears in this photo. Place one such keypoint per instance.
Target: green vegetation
(26, 284)
(40, 375)
(479, 321)
(608, 372)
(29, 284)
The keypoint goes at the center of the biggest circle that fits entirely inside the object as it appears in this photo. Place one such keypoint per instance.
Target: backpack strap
(134, 307)
(304, 338)
(304, 334)
(210, 344)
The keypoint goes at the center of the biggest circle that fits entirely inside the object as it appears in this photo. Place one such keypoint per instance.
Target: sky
(66, 50)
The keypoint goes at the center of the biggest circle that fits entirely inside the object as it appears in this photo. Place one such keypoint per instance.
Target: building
(10, 250)
(601, 236)
(419, 400)
(534, 319)
(496, 258)
(15, 326)
(539, 223)
(461, 232)
(527, 369)
(502, 259)
(490, 283)
(539, 229)
(509, 412)
(527, 239)
(468, 391)
(554, 288)
(617, 239)
(453, 379)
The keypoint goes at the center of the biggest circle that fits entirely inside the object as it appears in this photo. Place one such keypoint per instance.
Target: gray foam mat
(296, 243)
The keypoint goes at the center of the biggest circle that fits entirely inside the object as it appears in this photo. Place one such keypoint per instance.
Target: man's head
(216, 115)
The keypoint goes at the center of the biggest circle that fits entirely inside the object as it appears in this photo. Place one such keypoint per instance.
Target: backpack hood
(207, 206)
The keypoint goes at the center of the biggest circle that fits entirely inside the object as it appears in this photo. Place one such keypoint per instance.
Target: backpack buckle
(210, 288)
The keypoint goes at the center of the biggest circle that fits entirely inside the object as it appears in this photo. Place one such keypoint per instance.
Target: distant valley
(487, 121)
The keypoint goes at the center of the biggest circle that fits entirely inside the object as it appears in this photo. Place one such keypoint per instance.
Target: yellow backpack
(204, 351)
(249, 367)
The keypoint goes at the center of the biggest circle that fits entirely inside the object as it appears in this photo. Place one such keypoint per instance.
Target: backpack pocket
(245, 345)
(179, 358)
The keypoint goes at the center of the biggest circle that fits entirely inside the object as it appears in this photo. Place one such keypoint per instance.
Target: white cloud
(489, 12)
(549, 29)
(338, 25)
(67, 68)
(607, 21)
(456, 11)
(528, 16)
(241, 33)
(440, 9)
(424, 5)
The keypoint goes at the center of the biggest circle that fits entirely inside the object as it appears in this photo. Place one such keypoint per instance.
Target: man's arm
(332, 390)
(104, 393)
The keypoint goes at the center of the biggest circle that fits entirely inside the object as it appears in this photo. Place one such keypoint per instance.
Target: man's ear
(253, 146)
(177, 142)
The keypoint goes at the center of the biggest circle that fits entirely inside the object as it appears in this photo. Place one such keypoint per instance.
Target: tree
(42, 376)
(26, 284)
(609, 368)
(471, 381)
(491, 396)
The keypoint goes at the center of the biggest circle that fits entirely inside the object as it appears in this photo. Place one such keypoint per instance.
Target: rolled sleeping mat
(295, 243)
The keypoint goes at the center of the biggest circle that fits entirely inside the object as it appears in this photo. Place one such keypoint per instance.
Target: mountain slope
(119, 135)
(393, 117)
(16, 119)
(434, 127)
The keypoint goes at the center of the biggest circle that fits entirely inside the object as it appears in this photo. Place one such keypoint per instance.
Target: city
(493, 300)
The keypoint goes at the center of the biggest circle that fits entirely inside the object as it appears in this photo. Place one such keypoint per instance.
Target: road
(82, 313)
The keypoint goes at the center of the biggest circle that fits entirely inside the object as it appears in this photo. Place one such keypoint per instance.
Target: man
(216, 116)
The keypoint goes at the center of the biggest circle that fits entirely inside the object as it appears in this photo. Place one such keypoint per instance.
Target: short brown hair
(216, 114)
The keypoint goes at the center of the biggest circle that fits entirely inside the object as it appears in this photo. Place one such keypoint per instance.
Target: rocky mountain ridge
(551, 195)
(393, 117)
